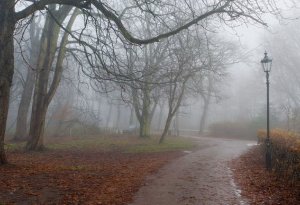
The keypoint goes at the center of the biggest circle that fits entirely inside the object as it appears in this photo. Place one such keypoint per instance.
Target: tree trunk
(173, 108)
(145, 120)
(176, 123)
(206, 105)
(204, 115)
(160, 117)
(21, 129)
(39, 100)
(108, 115)
(6, 66)
(37, 126)
(145, 124)
(166, 129)
(131, 118)
(42, 97)
(118, 116)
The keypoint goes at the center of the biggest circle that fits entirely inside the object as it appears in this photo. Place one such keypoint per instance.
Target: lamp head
(266, 63)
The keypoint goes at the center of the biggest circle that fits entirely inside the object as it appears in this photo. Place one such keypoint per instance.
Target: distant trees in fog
(95, 41)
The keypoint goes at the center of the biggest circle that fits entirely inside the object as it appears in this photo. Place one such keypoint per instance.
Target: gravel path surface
(199, 178)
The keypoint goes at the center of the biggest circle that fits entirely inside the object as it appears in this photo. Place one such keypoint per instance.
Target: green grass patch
(170, 144)
(127, 144)
(100, 143)
(14, 146)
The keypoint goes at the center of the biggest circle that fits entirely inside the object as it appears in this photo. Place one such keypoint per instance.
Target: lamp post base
(268, 155)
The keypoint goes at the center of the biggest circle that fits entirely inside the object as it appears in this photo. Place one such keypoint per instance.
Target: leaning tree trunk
(173, 108)
(166, 128)
(6, 66)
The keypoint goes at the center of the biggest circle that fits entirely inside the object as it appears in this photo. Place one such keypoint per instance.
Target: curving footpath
(198, 178)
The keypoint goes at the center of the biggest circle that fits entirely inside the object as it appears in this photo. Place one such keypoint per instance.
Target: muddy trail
(198, 178)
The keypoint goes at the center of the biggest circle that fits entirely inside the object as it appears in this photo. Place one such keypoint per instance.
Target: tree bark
(206, 99)
(42, 97)
(7, 26)
(21, 129)
(118, 116)
(166, 128)
(176, 123)
(173, 108)
(45, 59)
(204, 115)
(160, 116)
(145, 124)
(131, 118)
(108, 115)
(145, 121)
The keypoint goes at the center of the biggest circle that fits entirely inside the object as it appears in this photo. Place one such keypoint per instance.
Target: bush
(239, 130)
(285, 150)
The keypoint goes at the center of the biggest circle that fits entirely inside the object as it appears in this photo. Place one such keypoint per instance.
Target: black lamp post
(266, 63)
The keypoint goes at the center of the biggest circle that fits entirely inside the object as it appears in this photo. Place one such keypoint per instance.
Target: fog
(205, 80)
(149, 102)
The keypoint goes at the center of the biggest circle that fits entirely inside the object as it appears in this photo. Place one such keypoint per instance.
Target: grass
(127, 144)
(170, 144)
(14, 146)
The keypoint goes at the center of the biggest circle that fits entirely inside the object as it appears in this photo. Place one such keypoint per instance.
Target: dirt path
(198, 178)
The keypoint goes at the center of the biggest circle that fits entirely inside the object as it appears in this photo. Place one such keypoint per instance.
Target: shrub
(239, 130)
(285, 150)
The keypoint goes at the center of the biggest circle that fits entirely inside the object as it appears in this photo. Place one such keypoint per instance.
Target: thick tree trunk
(6, 66)
(145, 124)
(42, 97)
(21, 129)
(46, 54)
(37, 127)
(40, 104)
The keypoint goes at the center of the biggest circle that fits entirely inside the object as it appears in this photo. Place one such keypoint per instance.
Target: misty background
(233, 104)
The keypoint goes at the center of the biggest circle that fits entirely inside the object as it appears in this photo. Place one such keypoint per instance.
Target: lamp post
(266, 63)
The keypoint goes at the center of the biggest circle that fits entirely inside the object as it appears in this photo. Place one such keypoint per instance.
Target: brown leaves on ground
(76, 177)
(261, 186)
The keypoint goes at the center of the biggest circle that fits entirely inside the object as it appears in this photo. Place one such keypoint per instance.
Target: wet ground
(199, 178)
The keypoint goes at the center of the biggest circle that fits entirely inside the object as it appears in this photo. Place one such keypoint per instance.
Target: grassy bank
(120, 143)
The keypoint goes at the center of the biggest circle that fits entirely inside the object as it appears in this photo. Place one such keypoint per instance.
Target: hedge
(285, 150)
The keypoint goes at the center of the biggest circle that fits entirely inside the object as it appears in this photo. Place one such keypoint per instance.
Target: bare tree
(183, 55)
(9, 19)
(219, 55)
(42, 94)
(285, 72)
(21, 128)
